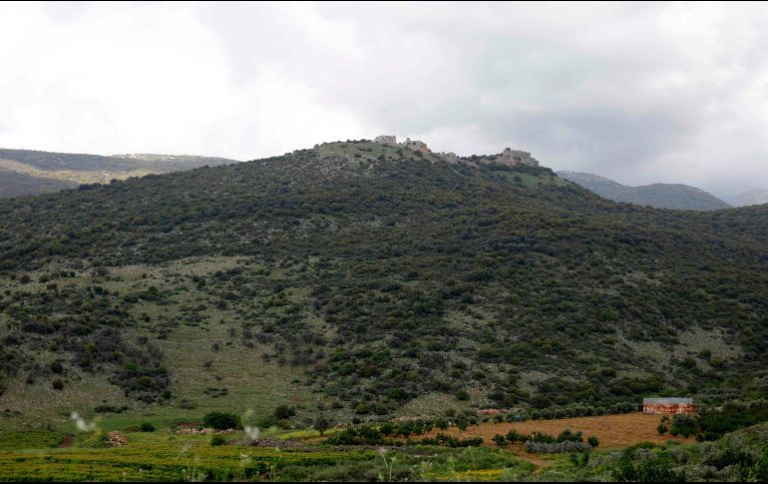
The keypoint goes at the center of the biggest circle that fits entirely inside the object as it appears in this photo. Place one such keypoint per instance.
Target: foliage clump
(222, 421)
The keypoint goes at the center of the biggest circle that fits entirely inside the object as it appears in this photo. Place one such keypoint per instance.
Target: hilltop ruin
(507, 157)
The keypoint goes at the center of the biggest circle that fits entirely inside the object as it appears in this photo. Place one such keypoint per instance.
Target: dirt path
(67, 441)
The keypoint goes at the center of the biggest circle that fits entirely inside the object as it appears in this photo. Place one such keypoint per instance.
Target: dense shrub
(322, 424)
(651, 469)
(283, 412)
(218, 440)
(569, 436)
(365, 435)
(268, 421)
(683, 424)
(733, 416)
(555, 447)
(448, 441)
(222, 421)
(111, 409)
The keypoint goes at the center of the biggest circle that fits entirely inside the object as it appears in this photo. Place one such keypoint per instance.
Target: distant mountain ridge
(758, 196)
(190, 161)
(658, 195)
(31, 172)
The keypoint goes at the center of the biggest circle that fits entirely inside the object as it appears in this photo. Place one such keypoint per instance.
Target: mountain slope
(170, 163)
(15, 184)
(758, 196)
(659, 195)
(27, 172)
(377, 275)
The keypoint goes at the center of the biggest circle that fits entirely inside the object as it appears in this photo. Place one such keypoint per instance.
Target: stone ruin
(416, 145)
(391, 140)
(514, 157)
(507, 157)
(387, 140)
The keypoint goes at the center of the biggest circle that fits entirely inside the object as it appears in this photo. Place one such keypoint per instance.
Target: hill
(27, 172)
(758, 196)
(16, 184)
(170, 163)
(659, 195)
(374, 279)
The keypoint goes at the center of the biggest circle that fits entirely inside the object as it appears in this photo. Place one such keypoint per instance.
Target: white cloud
(674, 92)
(151, 78)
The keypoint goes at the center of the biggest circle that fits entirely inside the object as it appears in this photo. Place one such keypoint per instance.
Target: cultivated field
(613, 431)
(169, 457)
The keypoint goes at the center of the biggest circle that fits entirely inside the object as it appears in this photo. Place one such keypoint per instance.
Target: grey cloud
(600, 138)
(641, 92)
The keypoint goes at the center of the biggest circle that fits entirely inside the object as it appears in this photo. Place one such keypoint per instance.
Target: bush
(555, 448)
(734, 416)
(284, 412)
(541, 438)
(222, 421)
(322, 424)
(110, 409)
(268, 421)
(405, 429)
(760, 469)
(649, 470)
(218, 440)
(449, 441)
(365, 435)
(57, 384)
(147, 427)
(684, 424)
(499, 439)
(568, 436)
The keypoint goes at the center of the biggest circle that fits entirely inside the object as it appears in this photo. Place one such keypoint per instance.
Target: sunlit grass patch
(32, 439)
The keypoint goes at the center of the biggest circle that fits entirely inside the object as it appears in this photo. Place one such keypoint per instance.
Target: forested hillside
(381, 276)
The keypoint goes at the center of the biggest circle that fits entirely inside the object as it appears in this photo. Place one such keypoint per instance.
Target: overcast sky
(637, 92)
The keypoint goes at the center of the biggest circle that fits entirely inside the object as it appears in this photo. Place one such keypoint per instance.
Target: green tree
(222, 421)
(284, 412)
(499, 439)
(322, 424)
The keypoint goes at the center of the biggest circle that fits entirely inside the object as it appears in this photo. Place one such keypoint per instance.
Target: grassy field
(164, 456)
(21, 440)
